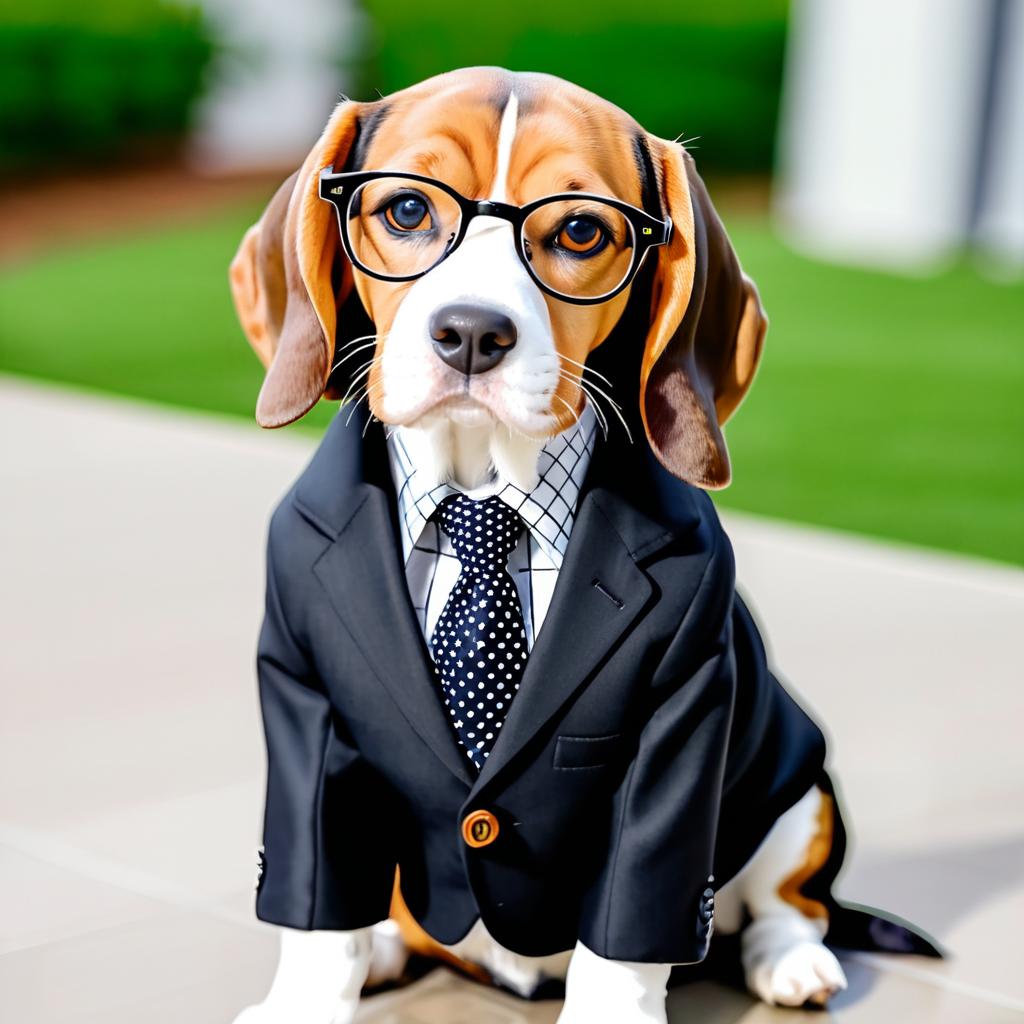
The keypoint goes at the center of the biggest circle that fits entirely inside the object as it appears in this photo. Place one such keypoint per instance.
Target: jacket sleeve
(327, 860)
(652, 900)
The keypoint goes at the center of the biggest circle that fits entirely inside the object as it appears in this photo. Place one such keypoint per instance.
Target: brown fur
(282, 282)
(818, 850)
(706, 328)
(418, 942)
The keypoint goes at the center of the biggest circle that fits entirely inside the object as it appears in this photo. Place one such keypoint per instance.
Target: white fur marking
(783, 956)
(506, 136)
(515, 397)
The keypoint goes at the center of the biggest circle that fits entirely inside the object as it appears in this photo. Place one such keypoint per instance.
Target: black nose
(471, 338)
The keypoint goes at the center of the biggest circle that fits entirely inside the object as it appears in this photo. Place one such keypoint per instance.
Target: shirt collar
(548, 511)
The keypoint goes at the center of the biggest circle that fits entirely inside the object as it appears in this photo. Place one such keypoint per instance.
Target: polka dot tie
(479, 643)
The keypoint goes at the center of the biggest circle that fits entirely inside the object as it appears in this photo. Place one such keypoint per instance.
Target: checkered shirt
(431, 567)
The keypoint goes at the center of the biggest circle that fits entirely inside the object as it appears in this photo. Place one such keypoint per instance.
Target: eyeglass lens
(399, 227)
(579, 247)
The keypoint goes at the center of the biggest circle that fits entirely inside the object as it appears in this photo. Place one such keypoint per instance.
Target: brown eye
(407, 213)
(583, 236)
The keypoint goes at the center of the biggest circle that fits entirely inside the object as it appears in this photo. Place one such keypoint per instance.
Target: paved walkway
(131, 756)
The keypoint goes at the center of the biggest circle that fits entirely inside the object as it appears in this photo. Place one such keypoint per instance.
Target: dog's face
(475, 343)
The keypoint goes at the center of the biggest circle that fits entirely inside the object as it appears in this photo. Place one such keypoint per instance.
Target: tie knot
(483, 533)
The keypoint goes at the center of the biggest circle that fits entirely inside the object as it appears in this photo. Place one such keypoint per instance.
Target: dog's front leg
(613, 990)
(318, 980)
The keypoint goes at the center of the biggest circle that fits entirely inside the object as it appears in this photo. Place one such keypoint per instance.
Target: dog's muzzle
(471, 338)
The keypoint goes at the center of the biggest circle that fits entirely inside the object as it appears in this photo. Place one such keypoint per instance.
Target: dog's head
(477, 320)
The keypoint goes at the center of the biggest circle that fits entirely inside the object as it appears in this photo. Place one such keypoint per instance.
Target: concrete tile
(132, 758)
(873, 997)
(43, 903)
(203, 844)
(120, 754)
(170, 968)
(877, 995)
(238, 905)
(138, 560)
(906, 658)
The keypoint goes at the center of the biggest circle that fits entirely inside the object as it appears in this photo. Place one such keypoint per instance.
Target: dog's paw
(390, 954)
(807, 972)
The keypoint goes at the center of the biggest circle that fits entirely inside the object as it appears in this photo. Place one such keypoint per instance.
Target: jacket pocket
(586, 751)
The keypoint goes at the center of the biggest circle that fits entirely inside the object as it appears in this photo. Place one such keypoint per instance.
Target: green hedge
(710, 69)
(95, 80)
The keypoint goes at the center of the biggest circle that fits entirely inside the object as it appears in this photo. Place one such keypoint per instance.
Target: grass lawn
(884, 405)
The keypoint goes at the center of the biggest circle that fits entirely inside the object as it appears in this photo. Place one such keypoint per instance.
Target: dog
(492, 270)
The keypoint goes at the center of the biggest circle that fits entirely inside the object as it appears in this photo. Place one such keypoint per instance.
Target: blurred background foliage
(96, 81)
(886, 405)
(870, 412)
(702, 68)
(112, 78)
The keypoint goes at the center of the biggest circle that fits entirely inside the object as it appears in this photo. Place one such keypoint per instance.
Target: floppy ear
(706, 332)
(290, 277)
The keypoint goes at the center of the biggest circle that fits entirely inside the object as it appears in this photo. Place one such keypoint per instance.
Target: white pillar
(879, 126)
(1000, 231)
(280, 74)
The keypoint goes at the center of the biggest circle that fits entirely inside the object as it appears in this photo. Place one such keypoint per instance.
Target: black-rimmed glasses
(578, 247)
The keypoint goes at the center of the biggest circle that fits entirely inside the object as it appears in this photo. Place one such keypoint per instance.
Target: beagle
(478, 262)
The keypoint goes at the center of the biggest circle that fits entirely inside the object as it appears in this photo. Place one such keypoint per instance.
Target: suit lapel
(583, 625)
(361, 570)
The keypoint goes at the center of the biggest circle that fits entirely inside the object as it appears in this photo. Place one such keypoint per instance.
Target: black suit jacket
(648, 749)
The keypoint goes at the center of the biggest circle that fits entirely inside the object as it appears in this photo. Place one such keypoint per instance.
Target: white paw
(390, 955)
(807, 972)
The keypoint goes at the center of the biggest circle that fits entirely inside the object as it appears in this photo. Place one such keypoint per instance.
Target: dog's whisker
(354, 352)
(355, 405)
(625, 426)
(361, 337)
(349, 395)
(612, 404)
(572, 412)
(577, 382)
(367, 391)
(615, 407)
(351, 412)
(587, 369)
(595, 405)
(601, 419)
(603, 393)
(355, 341)
(365, 388)
(371, 340)
(622, 420)
(371, 393)
(363, 371)
(595, 394)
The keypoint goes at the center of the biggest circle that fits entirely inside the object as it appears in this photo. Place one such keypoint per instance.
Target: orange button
(479, 828)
